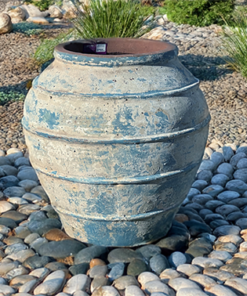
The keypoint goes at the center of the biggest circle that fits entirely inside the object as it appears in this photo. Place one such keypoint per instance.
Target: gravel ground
(204, 252)
(199, 50)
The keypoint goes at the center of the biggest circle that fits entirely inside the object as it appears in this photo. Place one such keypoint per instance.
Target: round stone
(220, 290)
(77, 282)
(176, 259)
(221, 255)
(149, 251)
(14, 191)
(98, 271)
(106, 290)
(226, 229)
(180, 283)
(220, 179)
(28, 174)
(236, 185)
(124, 281)
(217, 158)
(205, 175)
(241, 174)
(242, 223)
(227, 196)
(147, 276)
(168, 274)
(61, 249)
(235, 159)
(203, 280)
(226, 169)
(189, 269)
(52, 283)
(136, 267)
(207, 262)
(199, 184)
(133, 291)
(28, 184)
(87, 254)
(202, 198)
(156, 286)
(5, 206)
(123, 255)
(242, 163)
(225, 210)
(230, 238)
(190, 292)
(243, 247)
(158, 263)
(213, 190)
(117, 270)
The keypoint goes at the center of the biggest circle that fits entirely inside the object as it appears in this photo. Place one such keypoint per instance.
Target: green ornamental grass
(235, 43)
(110, 18)
(199, 12)
(101, 19)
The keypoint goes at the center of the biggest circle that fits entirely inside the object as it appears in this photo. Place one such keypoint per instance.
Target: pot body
(116, 142)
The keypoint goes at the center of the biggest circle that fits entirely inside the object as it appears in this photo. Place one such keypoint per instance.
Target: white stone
(17, 15)
(6, 267)
(28, 286)
(77, 282)
(80, 293)
(21, 255)
(17, 200)
(207, 262)
(33, 11)
(6, 290)
(189, 269)
(238, 284)
(52, 284)
(38, 20)
(55, 11)
(157, 286)
(190, 292)
(40, 273)
(5, 206)
(13, 151)
(4, 229)
(204, 280)
(146, 277)
(133, 291)
(106, 291)
(155, 34)
(220, 290)
(179, 283)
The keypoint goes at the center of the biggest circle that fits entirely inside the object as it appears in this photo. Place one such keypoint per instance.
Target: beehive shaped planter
(116, 139)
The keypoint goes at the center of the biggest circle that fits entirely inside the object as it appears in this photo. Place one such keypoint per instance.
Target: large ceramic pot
(116, 139)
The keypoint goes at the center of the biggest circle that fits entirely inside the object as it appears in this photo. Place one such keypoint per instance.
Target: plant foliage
(235, 43)
(11, 96)
(199, 12)
(41, 4)
(110, 18)
(44, 52)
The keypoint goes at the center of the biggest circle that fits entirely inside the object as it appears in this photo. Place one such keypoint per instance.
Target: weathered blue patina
(116, 139)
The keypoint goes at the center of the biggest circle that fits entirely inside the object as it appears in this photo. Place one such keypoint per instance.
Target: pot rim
(134, 51)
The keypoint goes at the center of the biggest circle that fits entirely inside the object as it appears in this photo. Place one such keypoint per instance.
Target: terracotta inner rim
(119, 47)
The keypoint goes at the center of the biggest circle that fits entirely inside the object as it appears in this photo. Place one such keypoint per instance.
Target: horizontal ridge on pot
(116, 140)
